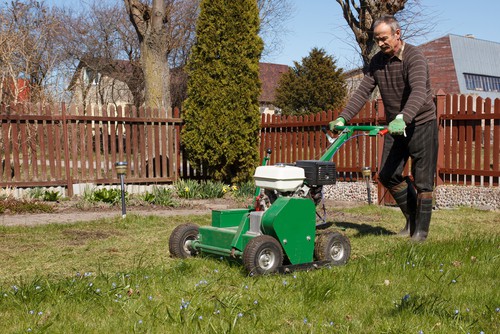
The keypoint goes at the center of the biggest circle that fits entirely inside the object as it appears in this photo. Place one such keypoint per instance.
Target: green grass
(116, 276)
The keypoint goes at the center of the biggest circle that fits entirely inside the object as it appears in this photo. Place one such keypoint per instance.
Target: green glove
(397, 126)
(338, 122)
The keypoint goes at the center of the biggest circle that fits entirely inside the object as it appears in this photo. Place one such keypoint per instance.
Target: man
(401, 73)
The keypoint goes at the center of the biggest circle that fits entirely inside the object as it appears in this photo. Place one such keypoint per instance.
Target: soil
(67, 212)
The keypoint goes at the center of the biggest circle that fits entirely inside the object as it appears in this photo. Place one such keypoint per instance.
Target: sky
(319, 23)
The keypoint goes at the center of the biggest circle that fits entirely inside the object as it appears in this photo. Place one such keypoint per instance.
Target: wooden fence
(55, 146)
(58, 146)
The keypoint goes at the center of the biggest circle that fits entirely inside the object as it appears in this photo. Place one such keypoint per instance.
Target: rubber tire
(177, 242)
(333, 247)
(262, 255)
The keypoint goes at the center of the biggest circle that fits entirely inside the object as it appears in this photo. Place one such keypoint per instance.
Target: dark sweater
(404, 86)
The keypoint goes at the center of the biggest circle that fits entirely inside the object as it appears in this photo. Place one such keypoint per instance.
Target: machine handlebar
(371, 129)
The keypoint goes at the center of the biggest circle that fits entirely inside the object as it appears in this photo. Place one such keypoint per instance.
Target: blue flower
(184, 304)
(406, 297)
(31, 312)
(240, 315)
(285, 283)
(456, 311)
(255, 302)
(420, 332)
(200, 317)
(150, 297)
(497, 309)
(305, 320)
(139, 322)
(331, 323)
(40, 313)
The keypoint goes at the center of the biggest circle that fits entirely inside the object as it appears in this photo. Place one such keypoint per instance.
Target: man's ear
(398, 33)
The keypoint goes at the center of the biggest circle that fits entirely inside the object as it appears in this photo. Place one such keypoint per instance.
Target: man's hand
(397, 126)
(338, 122)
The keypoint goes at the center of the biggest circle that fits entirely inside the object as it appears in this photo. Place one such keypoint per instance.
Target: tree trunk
(149, 23)
(156, 74)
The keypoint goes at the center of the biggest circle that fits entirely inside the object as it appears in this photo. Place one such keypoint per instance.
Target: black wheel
(178, 242)
(262, 255)
(333, 247)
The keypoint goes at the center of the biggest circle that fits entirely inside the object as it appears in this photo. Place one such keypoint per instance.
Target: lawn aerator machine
(283, 230)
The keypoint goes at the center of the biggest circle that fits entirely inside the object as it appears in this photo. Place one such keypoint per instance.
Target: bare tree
(149, 22)
(273, 16)
(107, 51)
(360, 16)
(28, 51)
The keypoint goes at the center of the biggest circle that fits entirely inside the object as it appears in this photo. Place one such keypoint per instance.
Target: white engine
(305, 179)
(281, 178)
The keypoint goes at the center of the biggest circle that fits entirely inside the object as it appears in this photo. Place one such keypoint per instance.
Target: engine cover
(282, 178)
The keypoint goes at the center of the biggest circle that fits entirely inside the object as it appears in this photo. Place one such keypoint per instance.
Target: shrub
(221, 113)
(23, 206)
(160, 196)
(51, 196)
(110, 196)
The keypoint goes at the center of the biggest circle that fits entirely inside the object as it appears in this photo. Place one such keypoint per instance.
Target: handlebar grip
(383, 132)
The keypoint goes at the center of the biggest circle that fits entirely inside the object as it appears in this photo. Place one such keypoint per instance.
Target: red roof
(270, 75)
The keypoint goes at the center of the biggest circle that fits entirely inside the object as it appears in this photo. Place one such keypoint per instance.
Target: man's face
(387, 41)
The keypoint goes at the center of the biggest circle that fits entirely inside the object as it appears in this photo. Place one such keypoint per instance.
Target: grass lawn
(116, 276)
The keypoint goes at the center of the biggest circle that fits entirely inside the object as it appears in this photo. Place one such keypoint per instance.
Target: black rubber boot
(406, 198)
(423, 217)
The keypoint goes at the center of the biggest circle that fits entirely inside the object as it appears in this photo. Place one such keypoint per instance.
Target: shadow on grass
(364, 229)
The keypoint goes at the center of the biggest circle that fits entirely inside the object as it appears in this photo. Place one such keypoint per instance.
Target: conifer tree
(221, 112)
(315, 85)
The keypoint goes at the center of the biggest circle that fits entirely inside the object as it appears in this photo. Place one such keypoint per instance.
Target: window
(90, 76)
(482, 82)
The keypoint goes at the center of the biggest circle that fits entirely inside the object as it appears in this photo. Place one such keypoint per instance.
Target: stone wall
(447, 196)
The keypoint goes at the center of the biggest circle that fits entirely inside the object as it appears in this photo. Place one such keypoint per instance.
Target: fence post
(380, 120)
(440, 105)
(67, 159)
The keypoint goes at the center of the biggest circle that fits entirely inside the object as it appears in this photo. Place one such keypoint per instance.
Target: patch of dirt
(67, 212)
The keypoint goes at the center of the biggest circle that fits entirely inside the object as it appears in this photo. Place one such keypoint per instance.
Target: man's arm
(417, 80)
(359, 98)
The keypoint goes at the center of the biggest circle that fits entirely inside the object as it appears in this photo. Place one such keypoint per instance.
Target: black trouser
(421, 144)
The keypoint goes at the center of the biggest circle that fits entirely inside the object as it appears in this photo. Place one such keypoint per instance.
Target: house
(14, 91)
(99, 83)
(269, 75)
(457, 65)
(464, 65)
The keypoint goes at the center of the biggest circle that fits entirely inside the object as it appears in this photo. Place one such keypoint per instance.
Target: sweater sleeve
(359, 98)
(417, 81)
